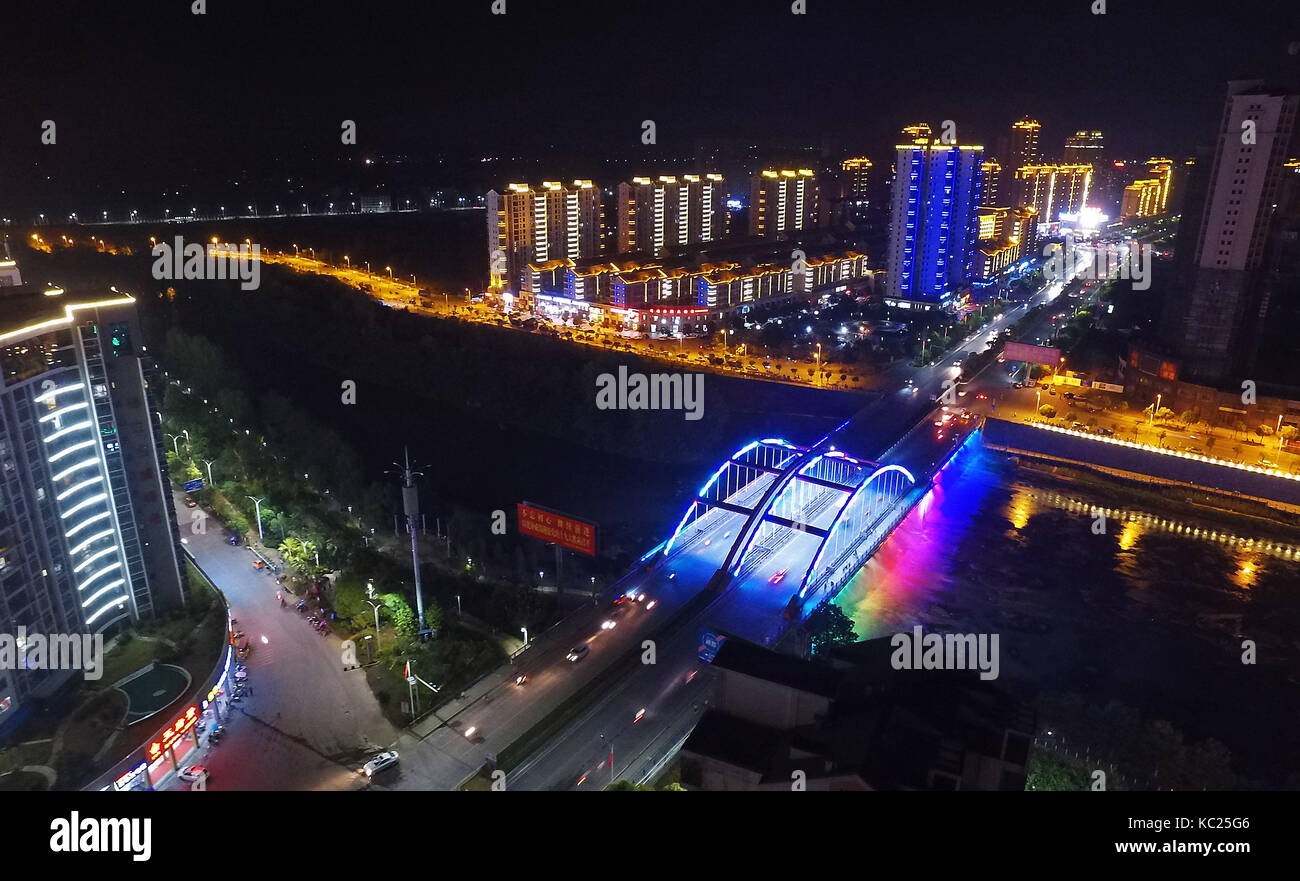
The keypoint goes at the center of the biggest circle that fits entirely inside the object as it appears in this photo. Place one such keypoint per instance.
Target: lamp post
(525, 630)
(175, 442)
(209, 464)
(257, 503)
(1154, 408)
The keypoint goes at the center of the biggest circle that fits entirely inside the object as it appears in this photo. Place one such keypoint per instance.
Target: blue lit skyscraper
(934, 231)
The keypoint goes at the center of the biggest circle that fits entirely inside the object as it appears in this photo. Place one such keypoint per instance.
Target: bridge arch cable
(856, 519)
(736, 486)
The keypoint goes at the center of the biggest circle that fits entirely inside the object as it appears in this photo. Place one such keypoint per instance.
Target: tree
(828, 626)
(1047, 411)
(300, 555)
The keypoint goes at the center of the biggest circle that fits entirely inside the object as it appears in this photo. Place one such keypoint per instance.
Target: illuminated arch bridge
(785, 491)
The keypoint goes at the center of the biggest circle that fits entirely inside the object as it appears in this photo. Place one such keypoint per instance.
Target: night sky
(155, 95)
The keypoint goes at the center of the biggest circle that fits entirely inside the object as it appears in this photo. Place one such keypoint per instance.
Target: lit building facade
(1053, 189)
(657, 213)
(88, 533)
(783, 203)
(1085, 148)
(1141, 199)
(1216, 322)
(1024, 144)
(856, 179)
(934, 227)
(992, 182)
(528, 224)
(1162, 171)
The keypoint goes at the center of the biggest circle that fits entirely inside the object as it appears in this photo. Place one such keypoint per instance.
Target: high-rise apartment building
(783, 203)
(658, 213)
(551, 222)
(1023, 148)
(1084, 148)
(917, 132)
(992, 188)
(1216, 320)
(934, 229)
(1141, 199)
(855, 179)
(88, 533)
(1052, 189)
(1162, 171)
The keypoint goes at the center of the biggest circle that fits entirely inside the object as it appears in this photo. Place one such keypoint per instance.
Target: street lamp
(378, 641)
(175, 442)
(1154, 408)
(525, 630)
(257, 503)
(209, 464)
(390, 272)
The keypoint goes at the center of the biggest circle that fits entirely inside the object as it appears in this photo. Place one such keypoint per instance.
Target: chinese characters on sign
(576, 535)
(175, 732)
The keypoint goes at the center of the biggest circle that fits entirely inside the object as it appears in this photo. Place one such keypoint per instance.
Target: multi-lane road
(310, 724)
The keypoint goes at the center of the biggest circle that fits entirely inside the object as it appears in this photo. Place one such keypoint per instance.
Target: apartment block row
(645, 216)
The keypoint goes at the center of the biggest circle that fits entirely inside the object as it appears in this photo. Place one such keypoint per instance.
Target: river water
(1151, 613)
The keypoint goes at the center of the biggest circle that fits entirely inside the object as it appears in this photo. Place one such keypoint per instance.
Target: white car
(380, 762)
(194, 773)
(577, 653)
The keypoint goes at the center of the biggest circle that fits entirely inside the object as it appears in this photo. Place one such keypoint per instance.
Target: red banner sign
(567, 532)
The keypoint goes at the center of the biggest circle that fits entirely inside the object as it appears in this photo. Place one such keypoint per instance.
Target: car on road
(194, 774)
(190, 503)
(619, 600)
(577, 653)
(777, 576)
(381, 762)
(259, 563)
(608, 624)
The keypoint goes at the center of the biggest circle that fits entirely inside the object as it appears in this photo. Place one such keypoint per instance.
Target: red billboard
(567, 532)
(1013, 351)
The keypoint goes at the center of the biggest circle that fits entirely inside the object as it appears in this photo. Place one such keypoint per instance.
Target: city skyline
(421, 113)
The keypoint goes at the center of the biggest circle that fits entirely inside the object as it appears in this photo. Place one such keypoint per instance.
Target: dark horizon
(163, 99)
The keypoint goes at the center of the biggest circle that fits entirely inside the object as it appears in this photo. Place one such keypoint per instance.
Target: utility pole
(411, 507)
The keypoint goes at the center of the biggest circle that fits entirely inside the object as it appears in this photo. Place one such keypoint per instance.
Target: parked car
(195, 773)
(258, 563)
